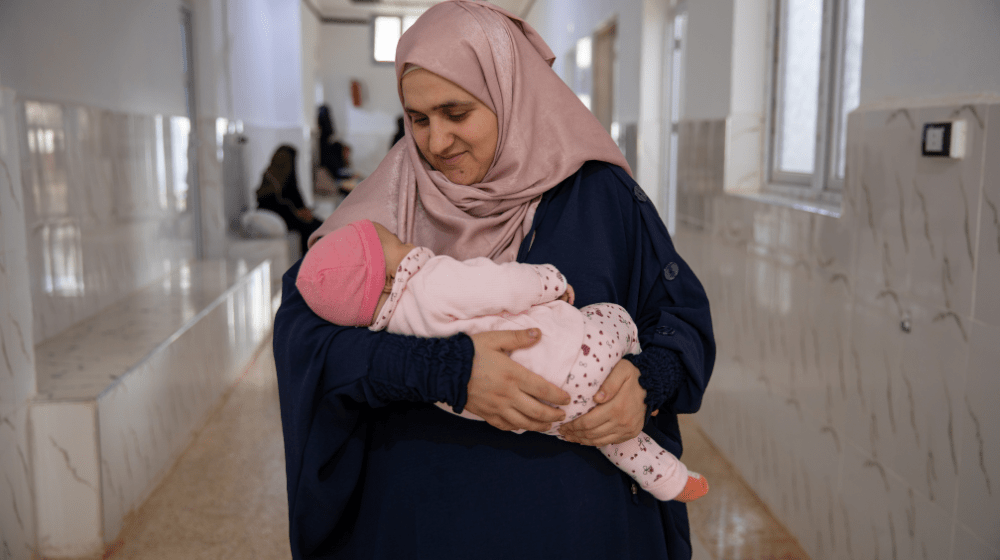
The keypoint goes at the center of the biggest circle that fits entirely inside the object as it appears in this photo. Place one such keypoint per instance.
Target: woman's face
(455, 132)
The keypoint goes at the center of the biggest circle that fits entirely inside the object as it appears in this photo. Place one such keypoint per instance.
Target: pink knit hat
(343, 274)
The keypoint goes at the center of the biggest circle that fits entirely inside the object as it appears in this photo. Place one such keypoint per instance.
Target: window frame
(822, 184)
(374, 19)
(402, 29)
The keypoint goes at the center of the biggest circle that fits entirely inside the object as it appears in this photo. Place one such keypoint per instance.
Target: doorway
(604, 76)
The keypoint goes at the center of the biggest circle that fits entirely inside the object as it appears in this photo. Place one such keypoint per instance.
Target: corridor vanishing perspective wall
(858, 355)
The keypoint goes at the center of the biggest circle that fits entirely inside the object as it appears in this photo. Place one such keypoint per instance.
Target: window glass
(387, 32)
(799, 89)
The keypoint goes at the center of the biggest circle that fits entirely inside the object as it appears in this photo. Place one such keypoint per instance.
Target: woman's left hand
(619, 414)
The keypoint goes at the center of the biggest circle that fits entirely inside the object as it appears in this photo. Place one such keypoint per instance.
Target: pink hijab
(544, 135)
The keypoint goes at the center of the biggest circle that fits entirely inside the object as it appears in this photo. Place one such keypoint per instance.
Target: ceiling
(353, 9)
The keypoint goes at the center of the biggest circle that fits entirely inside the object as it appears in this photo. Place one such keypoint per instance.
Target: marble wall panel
(979, 454)
(118, 435)
(885, 518)
(12, 237)
(857, 331)
(65, 456)
(700, 169)
(928, 407)
(744, 168)
(17, 368)
(106, 206)
(951, 190)
(17, 357)
(987, 308)
(872, 360)
(883, 239)
(922, 212)
(813, 461)
(831, 309)
(147, 418)
(969, 546)
(17, 504)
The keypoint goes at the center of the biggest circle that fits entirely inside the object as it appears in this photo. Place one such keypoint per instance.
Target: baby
(362, 274)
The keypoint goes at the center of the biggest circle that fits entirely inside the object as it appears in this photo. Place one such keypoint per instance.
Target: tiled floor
(730, 522)
(225, 498)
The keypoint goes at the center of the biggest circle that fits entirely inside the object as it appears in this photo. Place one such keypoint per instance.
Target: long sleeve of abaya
(329, 378)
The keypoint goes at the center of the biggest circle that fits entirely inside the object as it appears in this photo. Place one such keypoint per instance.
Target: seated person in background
(279, 193)
(363, 275)
(400, 131)
(334, 155)
(331, 157)
(347, 179)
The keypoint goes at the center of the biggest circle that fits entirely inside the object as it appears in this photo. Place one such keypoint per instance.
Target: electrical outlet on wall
(944, 139)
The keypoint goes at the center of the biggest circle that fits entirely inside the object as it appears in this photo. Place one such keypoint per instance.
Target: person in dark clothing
(279, 193)
(400, 132)
(331, 152)
(499, 160)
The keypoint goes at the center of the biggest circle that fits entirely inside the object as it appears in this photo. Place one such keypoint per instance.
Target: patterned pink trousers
(609, 334)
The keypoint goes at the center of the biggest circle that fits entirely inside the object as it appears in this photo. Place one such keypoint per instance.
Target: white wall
(929, 48)
(651, 170)
(709, 59)
(562, 22)
(213, 83)
(345, 55)
(310, 66)
(115, 54)
(749, 56)
(265, 63)
(912, 49)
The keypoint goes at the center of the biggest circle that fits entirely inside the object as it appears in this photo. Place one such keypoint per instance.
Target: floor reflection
(62, 256)
(731, 522)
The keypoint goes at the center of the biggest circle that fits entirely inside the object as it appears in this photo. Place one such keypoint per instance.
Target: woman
(279, 193)
(331, 151)
(501, 160)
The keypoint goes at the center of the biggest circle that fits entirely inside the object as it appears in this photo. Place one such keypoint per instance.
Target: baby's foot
(695, 488)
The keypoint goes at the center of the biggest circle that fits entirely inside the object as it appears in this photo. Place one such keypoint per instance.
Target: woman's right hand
(505, 393)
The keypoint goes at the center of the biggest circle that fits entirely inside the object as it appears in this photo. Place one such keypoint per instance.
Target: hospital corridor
(827, 170)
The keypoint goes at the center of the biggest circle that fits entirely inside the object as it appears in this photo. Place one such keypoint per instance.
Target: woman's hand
(619, 414)
(505, 393)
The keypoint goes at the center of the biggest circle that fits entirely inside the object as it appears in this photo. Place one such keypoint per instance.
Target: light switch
(934, 139)
(944, 139)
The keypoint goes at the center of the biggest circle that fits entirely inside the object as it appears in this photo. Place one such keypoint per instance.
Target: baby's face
(395, 251)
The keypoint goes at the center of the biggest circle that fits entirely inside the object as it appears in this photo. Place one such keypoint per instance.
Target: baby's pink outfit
(577, 351)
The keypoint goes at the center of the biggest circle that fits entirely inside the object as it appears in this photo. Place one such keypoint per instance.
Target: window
(817, 70)
(387, 31)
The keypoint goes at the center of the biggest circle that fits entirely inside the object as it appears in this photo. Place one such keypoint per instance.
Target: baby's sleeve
(478, 287)
(553, 282)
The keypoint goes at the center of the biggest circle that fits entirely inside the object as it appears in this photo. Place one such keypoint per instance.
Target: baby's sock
(695, 488)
